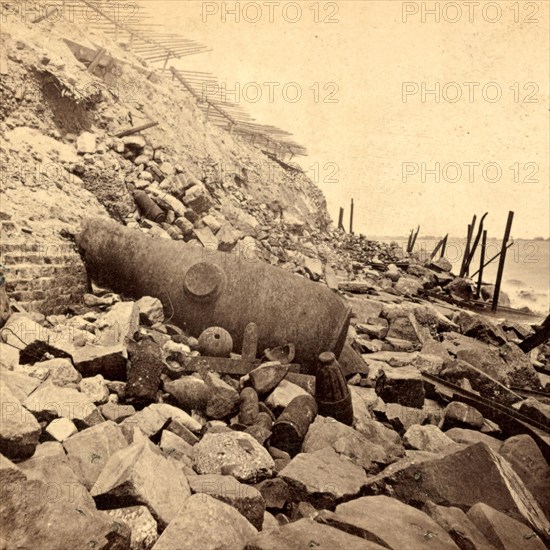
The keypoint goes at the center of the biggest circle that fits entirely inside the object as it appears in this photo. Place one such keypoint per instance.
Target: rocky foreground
(110, 440)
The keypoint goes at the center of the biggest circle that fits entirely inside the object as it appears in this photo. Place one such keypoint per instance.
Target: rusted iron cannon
(201, 288)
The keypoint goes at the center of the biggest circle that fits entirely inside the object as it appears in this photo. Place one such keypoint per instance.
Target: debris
(244, 498)
(234, 453)
(232, 529)
(144, 372)
(140, 474)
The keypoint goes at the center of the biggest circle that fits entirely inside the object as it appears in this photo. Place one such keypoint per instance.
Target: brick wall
(42, 274)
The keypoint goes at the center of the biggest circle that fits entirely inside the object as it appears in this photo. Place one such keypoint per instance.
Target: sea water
(526, 278)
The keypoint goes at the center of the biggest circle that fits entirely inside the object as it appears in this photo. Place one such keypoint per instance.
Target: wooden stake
(542, 335)
(481, 262)
(96, 60)
(502, 259)
(136, 129)
(341, 219)
(351, 218)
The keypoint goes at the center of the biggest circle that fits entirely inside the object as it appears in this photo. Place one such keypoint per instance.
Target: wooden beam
(481, 262)
(502, 259)
(136, 129)
(96, 60)
(540, 337)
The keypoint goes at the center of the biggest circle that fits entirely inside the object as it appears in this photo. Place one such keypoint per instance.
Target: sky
(421, 121)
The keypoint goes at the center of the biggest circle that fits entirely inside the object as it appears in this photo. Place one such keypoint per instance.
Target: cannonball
(215, 342)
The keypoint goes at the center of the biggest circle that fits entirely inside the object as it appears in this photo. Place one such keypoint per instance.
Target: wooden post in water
(351, 218)
(481, 262)
(444, 246)
(502, 260)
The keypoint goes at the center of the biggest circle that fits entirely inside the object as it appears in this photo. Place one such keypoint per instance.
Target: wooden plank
(502, 260)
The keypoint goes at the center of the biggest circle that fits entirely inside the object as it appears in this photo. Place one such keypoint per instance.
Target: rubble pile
(133, 421)
(146, 447)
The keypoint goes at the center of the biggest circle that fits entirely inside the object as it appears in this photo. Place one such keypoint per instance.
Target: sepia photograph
(274, 275)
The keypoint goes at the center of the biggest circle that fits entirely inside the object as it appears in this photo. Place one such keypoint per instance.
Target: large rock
(95, 388)
(86, 143)
(428, 438)
(50, 401)
(460, 415)
(62, 372)
(61, 429)
(198, 198)
(90, 450)
(206, 523)
(118, 325)
(345, 441)
(232, 453)
(535, 409)
(470, 437)
(55, 471)
(223, 400)
(140, 474)
(283, 394)
(323, 478)
(35, 521)
(381, 435)
(19, 383)
(408, 528)
(524, 455)
(408, 286)
(189, 391)
(19, 429)
(141, 523)
(480, 327)
(502, 531)
(109, 361)
(306, 533)
(245, 498)
(465, 534)
(151, 310)
(461, 479)
(404, 386)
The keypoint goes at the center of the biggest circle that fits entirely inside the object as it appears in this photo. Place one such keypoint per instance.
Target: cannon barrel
(200, 288)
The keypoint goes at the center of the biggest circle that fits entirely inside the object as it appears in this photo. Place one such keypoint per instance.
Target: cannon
(200, 288)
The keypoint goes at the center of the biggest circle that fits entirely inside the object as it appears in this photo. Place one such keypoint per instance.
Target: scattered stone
(197, 198)
(323, 478)
(190, 392)
(35, 521)
(19, 430)
(245, 498)
(135, 142)
(401, 385)
(141, 523)
(283, 394)
(88, 451)
(480, 327)
(61, 429)
(116, 412)
(19, 383)
(232, 453)
(231, 529)
(535, 409)
(62, 372)
(140, 474)
(175, 447)
(460, 415)
(408, 286)
(109, 361)
(367, 517)
(346, 442)
(460, 289)
(462, 479)
(306, 533)
(528, 462)
(470, 437)
(267, 376)
(95, 389)
(86, 143)
(50, 401)
(151, 310)
(464, 533)
(223, 400)
(275, 492)
(427, 438)
(502, 531)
